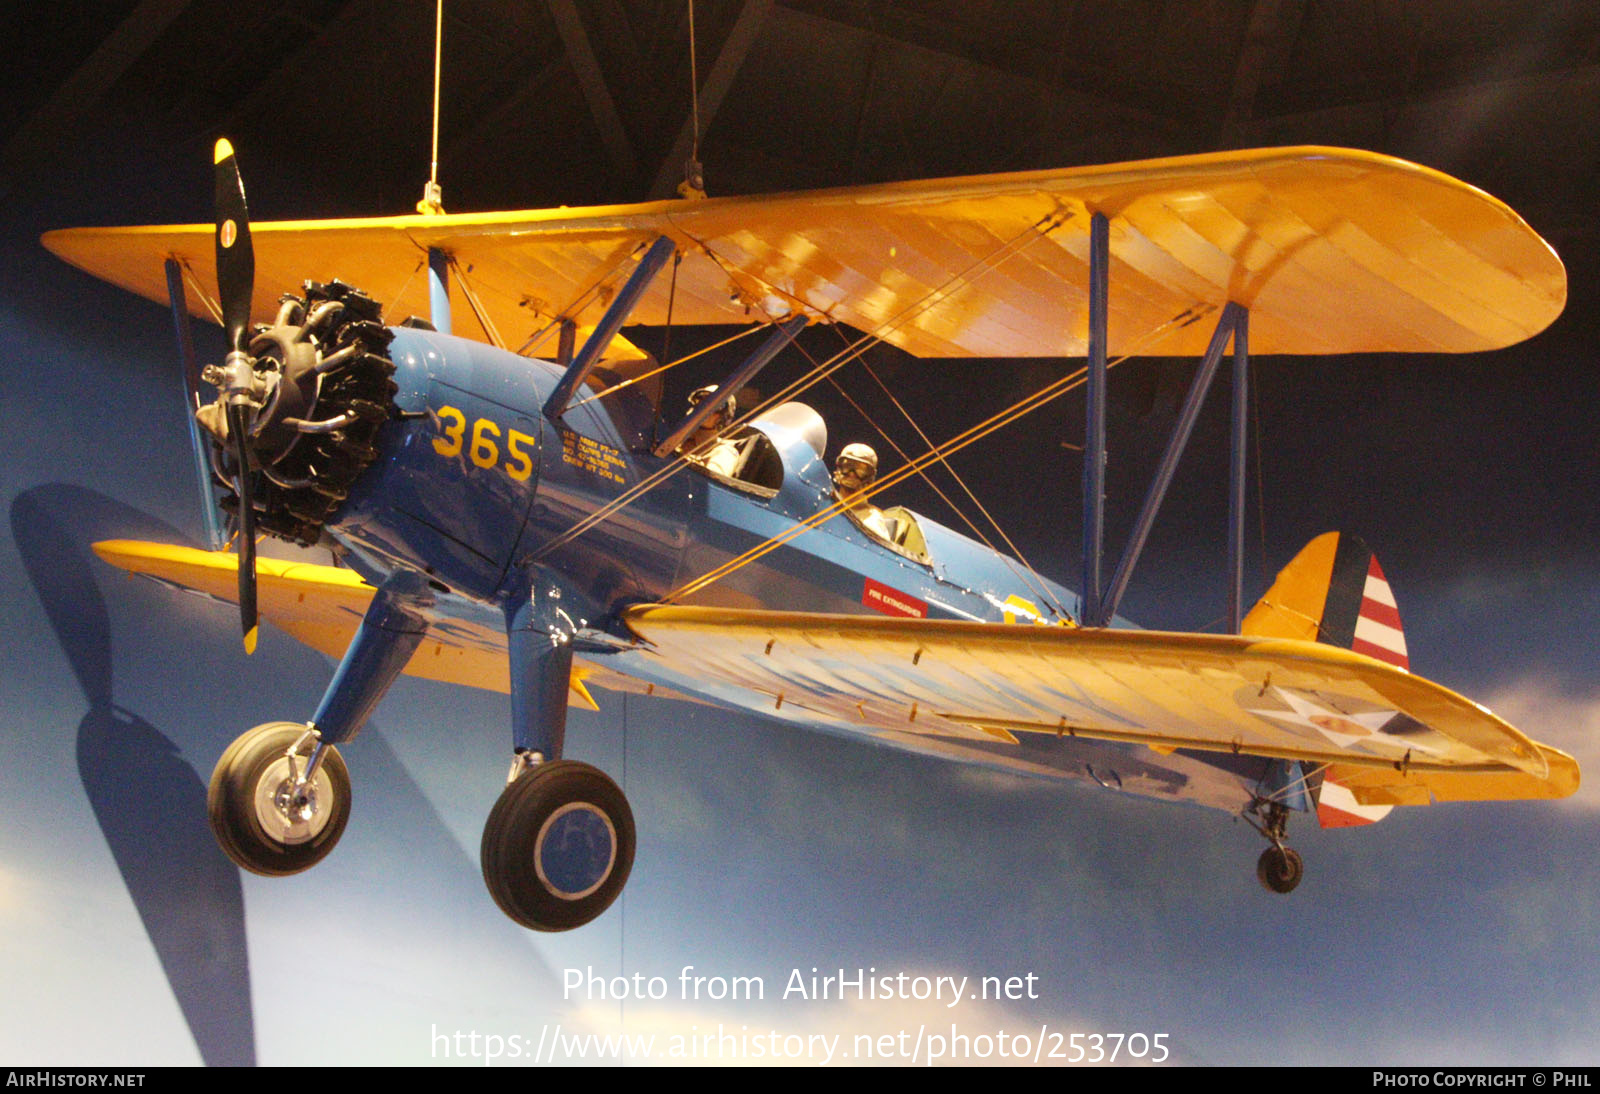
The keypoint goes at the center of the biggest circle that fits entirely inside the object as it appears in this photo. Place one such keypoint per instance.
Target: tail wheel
(1280, 869)
(558, 846)
(252, 809)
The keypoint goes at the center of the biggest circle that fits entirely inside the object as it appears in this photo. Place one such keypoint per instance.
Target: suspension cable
(432, 203)
(438, 69)
(694, 183)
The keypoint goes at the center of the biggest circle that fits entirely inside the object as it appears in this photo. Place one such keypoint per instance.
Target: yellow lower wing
(1391, 737)
(322, 606)
(1402, 736)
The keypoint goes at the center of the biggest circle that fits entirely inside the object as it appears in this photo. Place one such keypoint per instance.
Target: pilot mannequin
(853, 471)
(721, 454)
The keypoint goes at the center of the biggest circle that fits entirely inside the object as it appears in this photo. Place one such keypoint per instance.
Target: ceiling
(560, 101)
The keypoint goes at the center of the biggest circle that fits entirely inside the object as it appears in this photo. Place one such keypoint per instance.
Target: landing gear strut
(1280, 867)
(558, 845)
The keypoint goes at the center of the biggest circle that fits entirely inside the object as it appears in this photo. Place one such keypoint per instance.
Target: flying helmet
(861, 454)
(700, 394)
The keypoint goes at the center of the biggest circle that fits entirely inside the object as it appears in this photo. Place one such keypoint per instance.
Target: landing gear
(558, 845)
(265, 815)
(1279, 868)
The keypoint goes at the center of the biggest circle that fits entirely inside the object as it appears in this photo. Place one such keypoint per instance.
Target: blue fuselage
(475, 484)
(476, 489)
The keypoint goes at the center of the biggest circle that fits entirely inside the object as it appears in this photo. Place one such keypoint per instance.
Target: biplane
(517, 511)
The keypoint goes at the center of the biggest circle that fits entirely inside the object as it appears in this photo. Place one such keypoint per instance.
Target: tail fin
(1334, 591)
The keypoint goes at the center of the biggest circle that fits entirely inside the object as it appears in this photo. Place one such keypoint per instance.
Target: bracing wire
(898, 475)
(478, 311)
(201, 292)
(1029, 576)
(1037, 582)
(1024, 406)
(936, 295)
(659, 369)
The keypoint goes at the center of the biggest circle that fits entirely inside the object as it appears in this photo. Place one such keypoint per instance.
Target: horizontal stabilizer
(1374, 788)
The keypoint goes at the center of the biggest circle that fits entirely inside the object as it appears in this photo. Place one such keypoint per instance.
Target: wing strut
(1094, 427)
(210, 515)
(1227, 324)
(617, 314)
(1236, 470)
(782, 334)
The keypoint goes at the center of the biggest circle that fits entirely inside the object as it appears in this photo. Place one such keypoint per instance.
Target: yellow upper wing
(1333, 251)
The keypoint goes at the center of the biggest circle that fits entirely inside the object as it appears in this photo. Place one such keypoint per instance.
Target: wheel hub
(575, 850)
(286, 816)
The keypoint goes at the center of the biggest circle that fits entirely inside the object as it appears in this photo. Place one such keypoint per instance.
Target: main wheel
(558, 846)
(249, 806)
(1280, 868)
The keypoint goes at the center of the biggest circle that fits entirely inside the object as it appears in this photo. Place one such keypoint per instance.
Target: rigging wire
(1042, 586)
(955, 444)
(478, 311)
(659, 369)
(939, 293)
(606, 277)
(1303, 783)
(1029, 577)
(672, 300)
(201, 292)
(971, 435)
(394, 300)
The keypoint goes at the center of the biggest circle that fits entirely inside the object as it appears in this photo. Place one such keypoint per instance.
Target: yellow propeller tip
(250, 640)
(223, 150)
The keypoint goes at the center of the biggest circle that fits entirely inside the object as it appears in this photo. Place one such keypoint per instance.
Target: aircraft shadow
(148, 801)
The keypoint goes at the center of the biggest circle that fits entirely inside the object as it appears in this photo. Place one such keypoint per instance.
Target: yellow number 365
(482, 449)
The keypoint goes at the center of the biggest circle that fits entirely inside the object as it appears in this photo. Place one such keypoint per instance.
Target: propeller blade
(236, 258)
(237, 429)
(236, 276)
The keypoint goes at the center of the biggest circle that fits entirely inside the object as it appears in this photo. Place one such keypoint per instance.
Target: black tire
(240, 803)
(558, 846)
(1280, 868)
